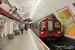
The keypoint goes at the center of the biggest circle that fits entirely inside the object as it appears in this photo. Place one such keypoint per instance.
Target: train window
(57, 25)
(50, 25)
(43, 26)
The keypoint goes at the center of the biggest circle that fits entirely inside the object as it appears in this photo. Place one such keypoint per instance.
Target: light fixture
(22, 8)
(22, 11)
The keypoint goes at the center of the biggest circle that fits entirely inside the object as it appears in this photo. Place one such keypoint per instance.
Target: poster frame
(64, 9)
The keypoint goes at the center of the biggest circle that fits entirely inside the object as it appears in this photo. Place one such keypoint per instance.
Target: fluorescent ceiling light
(28, 3)
(34, 7)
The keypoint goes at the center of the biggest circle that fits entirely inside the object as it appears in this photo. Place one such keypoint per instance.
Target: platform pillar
(11, 34)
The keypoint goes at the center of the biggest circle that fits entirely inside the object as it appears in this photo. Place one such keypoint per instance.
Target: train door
(43, 29)
(57, 28)
(50, 27)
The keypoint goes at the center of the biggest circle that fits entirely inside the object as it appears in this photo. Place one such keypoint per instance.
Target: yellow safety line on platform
(38, 42)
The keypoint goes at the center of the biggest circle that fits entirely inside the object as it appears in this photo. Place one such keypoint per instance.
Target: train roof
(48, 16)
(51, 15)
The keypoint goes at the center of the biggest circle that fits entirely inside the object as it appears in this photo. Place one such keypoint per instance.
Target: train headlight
(41, 32)
(58, 31)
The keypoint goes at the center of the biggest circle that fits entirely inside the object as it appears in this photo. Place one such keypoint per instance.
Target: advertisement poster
(4, 21)
(68, 20)
(0, 35)
(2, 27)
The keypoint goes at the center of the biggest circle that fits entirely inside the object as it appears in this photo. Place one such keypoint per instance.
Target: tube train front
(50, 27)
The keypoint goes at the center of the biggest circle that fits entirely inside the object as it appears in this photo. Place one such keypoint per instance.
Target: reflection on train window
(57, 25)
(50, 25)
(43, 26)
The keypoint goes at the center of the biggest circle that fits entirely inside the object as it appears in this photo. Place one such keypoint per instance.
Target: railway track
(59, 45)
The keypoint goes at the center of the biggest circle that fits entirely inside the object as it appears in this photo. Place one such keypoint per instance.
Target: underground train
(49, 27)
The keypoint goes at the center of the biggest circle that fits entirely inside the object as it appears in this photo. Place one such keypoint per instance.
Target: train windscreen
(57, 26)
(43, 26)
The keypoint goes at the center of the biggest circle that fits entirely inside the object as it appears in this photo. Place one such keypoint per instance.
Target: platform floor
(24, 42)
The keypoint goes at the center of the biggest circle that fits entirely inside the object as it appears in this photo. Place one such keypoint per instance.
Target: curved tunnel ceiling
(42, 7)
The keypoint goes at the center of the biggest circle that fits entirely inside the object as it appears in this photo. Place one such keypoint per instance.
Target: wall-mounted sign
(68, 20)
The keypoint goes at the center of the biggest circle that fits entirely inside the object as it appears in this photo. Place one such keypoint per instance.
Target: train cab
(49, 27)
